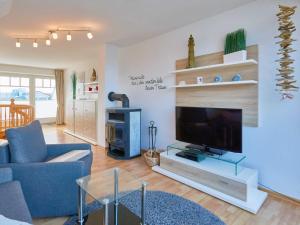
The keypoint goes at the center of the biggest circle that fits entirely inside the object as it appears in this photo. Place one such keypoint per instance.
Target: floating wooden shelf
(91, 92)
(91, 83)
(228, 94)
(215, 66)
(216, 84)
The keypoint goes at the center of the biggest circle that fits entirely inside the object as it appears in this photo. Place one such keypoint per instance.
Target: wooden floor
(275, 211)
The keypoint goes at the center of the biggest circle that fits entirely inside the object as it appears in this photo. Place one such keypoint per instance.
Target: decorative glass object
(218, 78)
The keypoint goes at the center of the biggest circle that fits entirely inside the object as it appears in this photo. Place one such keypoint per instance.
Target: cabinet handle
(223, 182)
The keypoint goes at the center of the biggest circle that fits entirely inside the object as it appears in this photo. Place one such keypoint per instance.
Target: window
(37, 91)
(14, 87)
(45, 98)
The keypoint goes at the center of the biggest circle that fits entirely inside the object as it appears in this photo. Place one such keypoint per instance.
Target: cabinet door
(90, 121)
(79, 118)
(70, 115)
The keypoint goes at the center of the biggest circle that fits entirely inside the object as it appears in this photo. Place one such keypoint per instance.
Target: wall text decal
(152, 84)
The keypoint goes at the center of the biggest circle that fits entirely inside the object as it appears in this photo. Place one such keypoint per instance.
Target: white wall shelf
(91, 92)
(243, 82)
(91, 83)
(215, 66)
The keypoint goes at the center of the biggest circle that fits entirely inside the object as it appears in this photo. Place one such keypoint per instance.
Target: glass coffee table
(108, 188)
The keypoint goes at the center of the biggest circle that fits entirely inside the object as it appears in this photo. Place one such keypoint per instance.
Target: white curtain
(59, 80)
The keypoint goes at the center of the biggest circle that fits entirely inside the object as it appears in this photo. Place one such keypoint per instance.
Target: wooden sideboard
(81, 119)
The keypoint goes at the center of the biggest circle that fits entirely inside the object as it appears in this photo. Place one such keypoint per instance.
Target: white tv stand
(215, 177)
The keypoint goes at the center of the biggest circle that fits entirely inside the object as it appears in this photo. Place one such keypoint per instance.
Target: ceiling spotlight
(54, 35)
(48, 42)
(69, 37)
(35, 44)
(89, 35)
(18, 43)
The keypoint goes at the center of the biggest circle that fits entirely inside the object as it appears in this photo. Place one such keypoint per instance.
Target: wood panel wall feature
(232, 96)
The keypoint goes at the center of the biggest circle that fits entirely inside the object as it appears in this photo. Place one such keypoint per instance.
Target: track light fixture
(53, 34)
(48, 42)
(69, 37)
(18, 43)
(89, 35)
(35, 44)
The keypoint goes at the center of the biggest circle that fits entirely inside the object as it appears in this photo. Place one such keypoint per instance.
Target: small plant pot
(235, 57)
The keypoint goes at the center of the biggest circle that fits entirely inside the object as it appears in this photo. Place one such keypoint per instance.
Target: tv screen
(212, 127)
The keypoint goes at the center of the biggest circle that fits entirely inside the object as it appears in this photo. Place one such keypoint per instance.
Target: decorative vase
(191, 55)
(94, 76)
(235, 57)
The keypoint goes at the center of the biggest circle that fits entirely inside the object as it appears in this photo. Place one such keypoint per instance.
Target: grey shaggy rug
(163, 209)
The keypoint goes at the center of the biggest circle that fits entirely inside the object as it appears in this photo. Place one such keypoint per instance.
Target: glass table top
(100, 185)
(229, 157)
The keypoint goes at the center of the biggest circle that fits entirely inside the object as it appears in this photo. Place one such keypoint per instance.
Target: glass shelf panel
(229, 157)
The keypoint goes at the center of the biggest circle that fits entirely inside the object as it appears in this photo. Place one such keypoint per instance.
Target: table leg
(80, 206)
(116, 195)
(143, 205)
(106, 204)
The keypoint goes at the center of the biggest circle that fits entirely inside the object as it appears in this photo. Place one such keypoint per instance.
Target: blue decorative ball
(218, 78)
(237, 77)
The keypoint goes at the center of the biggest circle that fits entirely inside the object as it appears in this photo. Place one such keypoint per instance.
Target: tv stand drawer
(223, 184)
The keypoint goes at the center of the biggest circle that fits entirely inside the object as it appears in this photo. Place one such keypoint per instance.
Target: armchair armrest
(51, 183)
(5, 175)
(13, 204)
(55, 150)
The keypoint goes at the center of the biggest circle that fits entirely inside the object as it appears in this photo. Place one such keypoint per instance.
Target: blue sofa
(12, 203)
(50, 189)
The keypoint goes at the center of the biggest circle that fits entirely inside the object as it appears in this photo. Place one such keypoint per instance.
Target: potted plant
(235, 47)
(74, 83)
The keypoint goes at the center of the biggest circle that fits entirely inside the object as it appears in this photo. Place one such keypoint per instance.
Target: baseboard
(81, 137)
(280, 196)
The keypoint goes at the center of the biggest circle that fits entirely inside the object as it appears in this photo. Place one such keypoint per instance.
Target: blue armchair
(50, 189)
(12, 204)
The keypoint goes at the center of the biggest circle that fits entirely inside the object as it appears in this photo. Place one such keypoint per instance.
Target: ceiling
(120, 22)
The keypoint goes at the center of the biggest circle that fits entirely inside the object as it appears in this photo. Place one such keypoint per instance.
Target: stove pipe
(112, 96)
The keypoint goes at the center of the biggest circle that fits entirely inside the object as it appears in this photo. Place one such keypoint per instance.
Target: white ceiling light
(35, 44)
(69, 37)
(48, 42)
(54, 35)
(89, 35)
(18, 43)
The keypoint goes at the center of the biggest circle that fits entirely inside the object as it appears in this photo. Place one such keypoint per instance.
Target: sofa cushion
(7, 221)
(5, 175)
(71, 156)
(12, 204)
(27, 144)
(4, 152)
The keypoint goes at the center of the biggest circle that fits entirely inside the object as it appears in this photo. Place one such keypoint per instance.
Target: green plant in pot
(235, 47)
(74, 83)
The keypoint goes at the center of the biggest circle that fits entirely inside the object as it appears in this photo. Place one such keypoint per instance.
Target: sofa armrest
(55, 150)
(49, 186)
(5, 175)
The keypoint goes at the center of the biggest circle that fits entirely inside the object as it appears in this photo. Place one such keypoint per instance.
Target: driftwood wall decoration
(285, 78)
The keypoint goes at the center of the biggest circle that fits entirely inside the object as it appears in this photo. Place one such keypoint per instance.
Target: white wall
(106, 66)
(109, 74)
(25, 70)
(273, 147)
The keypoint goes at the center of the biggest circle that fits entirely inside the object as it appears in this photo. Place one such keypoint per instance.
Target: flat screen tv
(210, 128)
